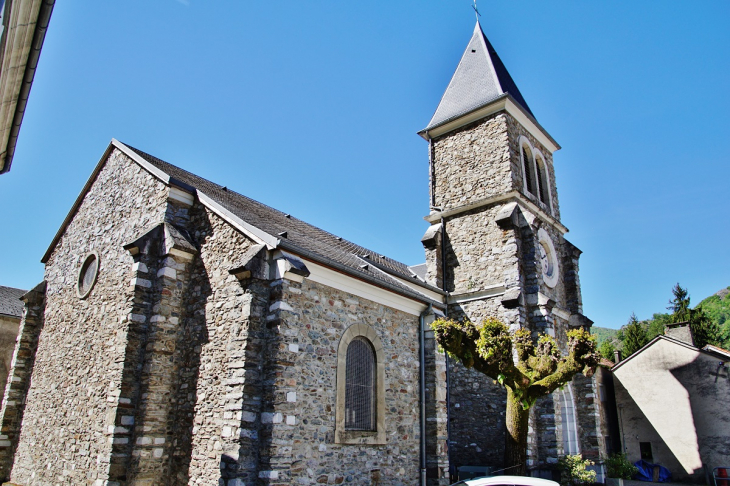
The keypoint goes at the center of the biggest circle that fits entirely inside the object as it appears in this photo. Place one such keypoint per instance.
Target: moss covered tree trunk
(515, 448)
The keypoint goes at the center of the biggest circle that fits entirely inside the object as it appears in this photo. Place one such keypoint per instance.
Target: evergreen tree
(657, 324)
(679, 305)
(704, 330)
(607, 349)
(635, 336)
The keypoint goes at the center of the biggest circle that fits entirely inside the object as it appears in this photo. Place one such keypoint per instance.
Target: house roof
(709, 350)
(10, 303)
(480, 78)
(275, 229)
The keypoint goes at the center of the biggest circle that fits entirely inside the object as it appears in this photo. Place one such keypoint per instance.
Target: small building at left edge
(11, 311)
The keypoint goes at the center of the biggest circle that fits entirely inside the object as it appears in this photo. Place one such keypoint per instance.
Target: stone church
(186, 334)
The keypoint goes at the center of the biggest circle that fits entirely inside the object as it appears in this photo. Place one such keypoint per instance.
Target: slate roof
(10, 303)
(300, 237)
(479, 79)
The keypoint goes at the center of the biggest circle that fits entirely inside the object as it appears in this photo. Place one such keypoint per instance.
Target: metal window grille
(528, 169)
(360, 386)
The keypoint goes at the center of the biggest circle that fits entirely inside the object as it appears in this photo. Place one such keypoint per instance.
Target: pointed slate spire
(479, 79)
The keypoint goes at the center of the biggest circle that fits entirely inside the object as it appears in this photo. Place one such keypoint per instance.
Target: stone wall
(482, 160)
(479, 254)
(298, 435)
(73, 399)
(171, 371)
(472, 163)
(226, 354)
(266, 384)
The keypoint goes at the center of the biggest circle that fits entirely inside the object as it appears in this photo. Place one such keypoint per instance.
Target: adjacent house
(11, 311)
(673, 401)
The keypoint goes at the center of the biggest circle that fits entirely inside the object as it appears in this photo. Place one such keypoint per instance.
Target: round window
(87, 275)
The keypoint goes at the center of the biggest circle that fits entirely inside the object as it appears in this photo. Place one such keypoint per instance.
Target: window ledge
(359, 437)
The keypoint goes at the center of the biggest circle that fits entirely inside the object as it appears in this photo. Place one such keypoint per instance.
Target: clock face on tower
(545, 262)
(547, 258)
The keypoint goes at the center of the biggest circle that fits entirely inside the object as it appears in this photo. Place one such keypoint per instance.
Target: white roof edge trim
(420, 291)
(247, 229)
(336, 280)
(501, 103)
(715, 349)
(428, 293)
(164, 177)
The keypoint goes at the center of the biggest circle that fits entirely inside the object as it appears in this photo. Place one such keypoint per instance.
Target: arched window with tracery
(360, 385)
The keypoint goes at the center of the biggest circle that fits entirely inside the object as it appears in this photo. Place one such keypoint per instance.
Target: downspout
(431, 173)
(422, 359)
(619, 409)
(446, 355)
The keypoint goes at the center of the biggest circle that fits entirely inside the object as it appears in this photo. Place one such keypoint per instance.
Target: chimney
(681, 332)
(617, 356)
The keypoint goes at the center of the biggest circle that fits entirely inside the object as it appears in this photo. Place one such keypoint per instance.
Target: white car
(506, 481)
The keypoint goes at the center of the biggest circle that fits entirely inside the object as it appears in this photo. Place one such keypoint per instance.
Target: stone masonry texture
(172, 371)
(72, 401)
(479, 161)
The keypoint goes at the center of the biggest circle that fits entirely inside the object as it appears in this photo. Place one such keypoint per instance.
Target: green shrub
(617, 466)
(573, 470)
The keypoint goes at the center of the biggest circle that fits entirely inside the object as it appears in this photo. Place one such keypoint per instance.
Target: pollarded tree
(536, 369)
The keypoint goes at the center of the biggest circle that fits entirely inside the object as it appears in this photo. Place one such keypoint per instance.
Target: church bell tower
(497, 246)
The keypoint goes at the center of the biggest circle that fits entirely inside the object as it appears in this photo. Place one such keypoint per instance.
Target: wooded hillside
(713, 311)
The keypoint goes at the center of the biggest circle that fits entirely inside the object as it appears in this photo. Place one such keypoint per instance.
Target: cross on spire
(474, 6)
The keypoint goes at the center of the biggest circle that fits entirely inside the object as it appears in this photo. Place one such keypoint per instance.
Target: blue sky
(313, 108)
